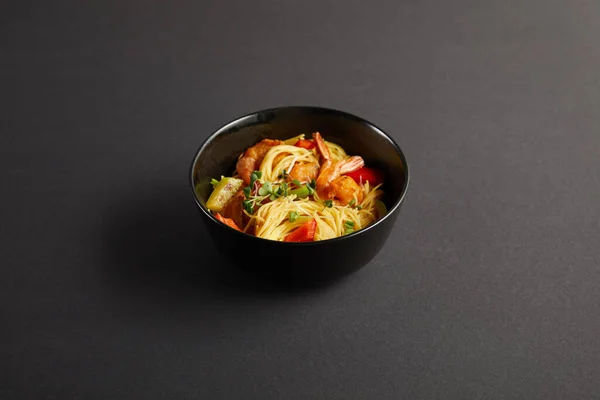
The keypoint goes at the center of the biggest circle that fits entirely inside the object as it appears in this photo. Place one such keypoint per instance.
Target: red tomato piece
(305, 143)
(373, 175)
(227, 221)
(305, 233)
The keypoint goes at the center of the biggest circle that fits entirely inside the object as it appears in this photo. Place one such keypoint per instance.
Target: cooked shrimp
(252, 157)
(234, 209)
(346, 189)
(304, 172)
(331, 170)
(278, 158)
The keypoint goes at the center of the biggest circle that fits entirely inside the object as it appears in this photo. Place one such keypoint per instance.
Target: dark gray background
(487, 288)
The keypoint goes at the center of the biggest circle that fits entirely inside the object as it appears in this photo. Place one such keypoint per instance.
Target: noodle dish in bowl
(320, 188)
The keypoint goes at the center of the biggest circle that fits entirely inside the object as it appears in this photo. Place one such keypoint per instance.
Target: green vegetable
(301, 192)
(222, 193)
(283, 174)
(248, 206)
(352, 202)
(265, 189)
(348, 227)
(293, 216)
(328, 203)
(296, 182)
(380, 208)
(256, 175)
(214, 182)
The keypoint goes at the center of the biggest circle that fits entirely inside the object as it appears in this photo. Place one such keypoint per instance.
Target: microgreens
(272, 191)
(214, 182)
(250, 200)
(248, 206)
(256, 175)
(265, 189)
(328, 203)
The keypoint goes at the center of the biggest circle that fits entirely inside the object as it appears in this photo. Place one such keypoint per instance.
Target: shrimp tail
(331, 170)
(322, 146)
(351, 164)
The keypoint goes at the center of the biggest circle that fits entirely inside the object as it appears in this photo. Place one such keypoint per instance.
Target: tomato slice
(227, 221)
(305, 143)
(305, 233)
(373, 175)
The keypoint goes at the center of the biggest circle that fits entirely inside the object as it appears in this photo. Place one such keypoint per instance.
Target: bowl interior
(218, 154)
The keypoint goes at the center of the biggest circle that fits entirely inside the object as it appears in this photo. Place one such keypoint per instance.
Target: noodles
(284, 157)
(276, 206)
(337, 152)
(367, 213)
(272, 219)
(293, 140)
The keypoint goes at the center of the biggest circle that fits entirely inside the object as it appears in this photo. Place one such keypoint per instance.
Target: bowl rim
(240, 119)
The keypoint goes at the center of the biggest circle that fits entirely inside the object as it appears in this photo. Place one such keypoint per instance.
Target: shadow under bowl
(311, 262)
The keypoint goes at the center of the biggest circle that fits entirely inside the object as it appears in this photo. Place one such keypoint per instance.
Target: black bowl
(312, 262)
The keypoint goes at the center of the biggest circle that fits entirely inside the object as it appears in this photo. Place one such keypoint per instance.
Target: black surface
(487, 289)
